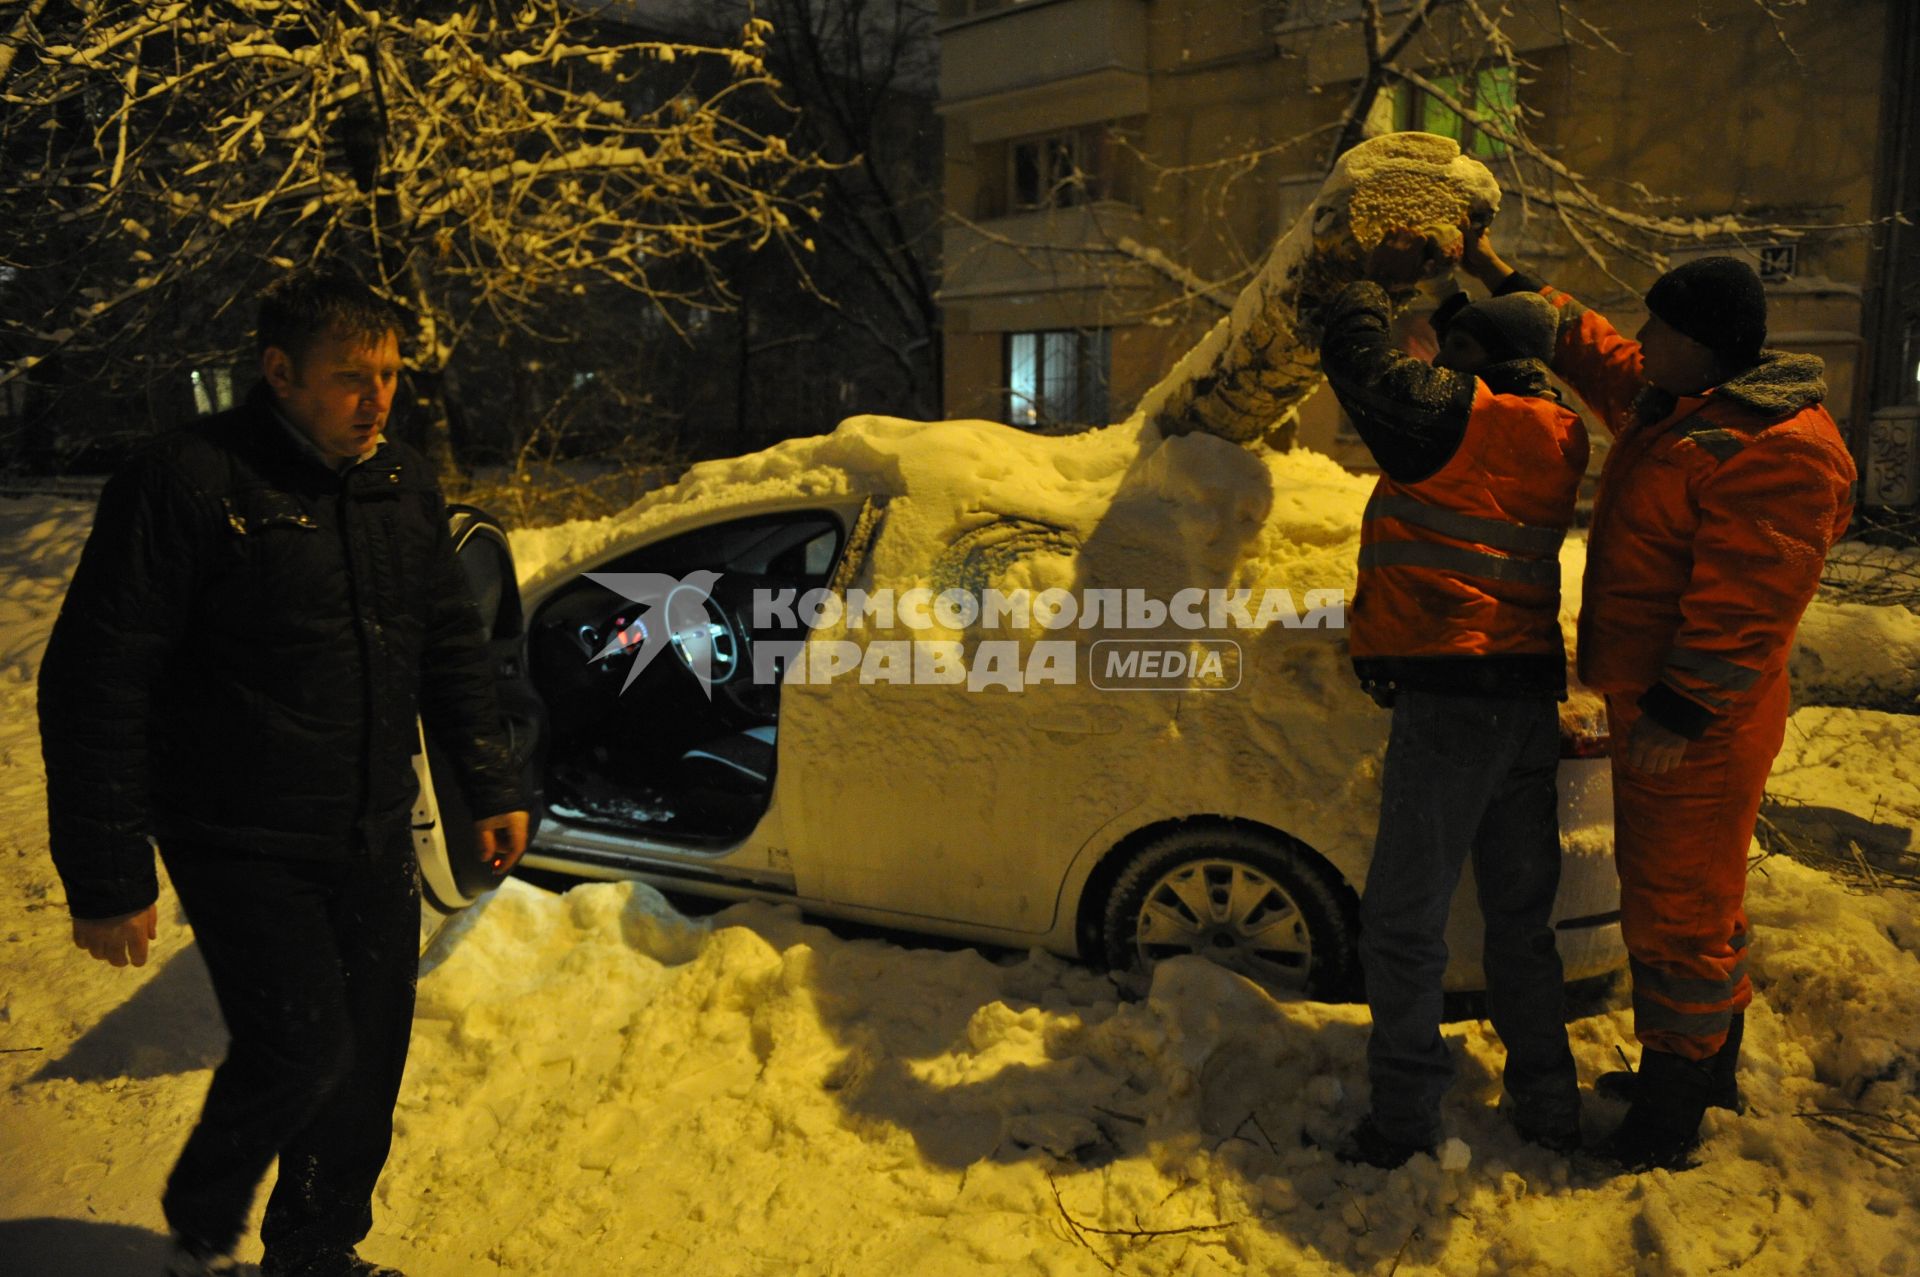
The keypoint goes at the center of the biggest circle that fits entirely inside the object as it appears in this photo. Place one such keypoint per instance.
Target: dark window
(1063, 168)
(1057, 378)
(1055, 170)
(1284, 15)
(954, 10)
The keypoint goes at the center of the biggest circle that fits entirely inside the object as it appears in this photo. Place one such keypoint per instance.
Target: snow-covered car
(1120, 818)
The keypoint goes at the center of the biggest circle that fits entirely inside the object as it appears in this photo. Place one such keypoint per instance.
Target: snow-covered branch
(496, 161)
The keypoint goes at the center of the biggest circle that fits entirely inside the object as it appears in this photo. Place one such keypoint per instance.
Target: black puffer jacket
(243, 649)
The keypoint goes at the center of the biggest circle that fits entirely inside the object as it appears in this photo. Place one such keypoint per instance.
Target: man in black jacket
(266, 601)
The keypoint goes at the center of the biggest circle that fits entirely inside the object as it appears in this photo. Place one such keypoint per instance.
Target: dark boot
(189, 1259)
(1662, 1129)
(1560, 1136)
(1368, 1145)
(1555, 1128)
(1622, 1084)
(341, 1265)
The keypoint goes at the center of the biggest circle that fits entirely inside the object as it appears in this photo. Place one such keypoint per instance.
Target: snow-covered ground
(600, 1085)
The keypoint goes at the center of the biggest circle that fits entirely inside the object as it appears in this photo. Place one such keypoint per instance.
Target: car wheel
(1256, 902)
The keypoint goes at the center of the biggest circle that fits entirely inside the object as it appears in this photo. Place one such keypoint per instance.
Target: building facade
(1115, 169)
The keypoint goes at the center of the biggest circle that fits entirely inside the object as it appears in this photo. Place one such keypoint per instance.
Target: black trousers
(314, 965)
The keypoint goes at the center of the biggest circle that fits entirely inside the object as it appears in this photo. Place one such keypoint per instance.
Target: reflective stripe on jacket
(1466, 563)
(1711, 524)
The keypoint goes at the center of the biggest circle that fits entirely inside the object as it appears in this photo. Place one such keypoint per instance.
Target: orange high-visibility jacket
(1711, 524)
(1467, 561)
(1460, 544)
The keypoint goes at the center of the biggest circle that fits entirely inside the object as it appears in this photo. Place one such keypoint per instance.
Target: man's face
(339, 392)
(1461, 351)
(1674, 362)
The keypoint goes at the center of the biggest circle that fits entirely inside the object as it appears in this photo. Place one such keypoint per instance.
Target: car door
(588, 832)
(948, 802)
(451, 873)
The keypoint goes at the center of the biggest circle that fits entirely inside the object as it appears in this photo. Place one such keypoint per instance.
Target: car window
(818, 553)
(792, 545)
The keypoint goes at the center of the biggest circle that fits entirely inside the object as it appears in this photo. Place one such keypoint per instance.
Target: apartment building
(1114, 168)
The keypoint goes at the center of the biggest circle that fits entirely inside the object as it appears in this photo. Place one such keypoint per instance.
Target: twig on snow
(1073, 1227)
(1909, 1134)
(1401, 1254)
(1844, 1120)
(1366, 1225)
(1253, 1120)
(1079, 1227)
(1860, 859)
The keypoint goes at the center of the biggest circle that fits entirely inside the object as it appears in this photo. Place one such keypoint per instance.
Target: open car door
(451, 873)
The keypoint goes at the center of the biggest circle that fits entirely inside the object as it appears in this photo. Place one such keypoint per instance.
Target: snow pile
(733, 1095)
(968, 472)
(1842, 981)
(1861, 761)
(42, 537)
(1859, 642)
(601, 1085)
(1857, 654)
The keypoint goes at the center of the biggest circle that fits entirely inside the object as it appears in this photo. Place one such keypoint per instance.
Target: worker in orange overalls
(1726, 485)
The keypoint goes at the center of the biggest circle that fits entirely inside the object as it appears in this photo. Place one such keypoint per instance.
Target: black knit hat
(1516, 326)
(1717, 301)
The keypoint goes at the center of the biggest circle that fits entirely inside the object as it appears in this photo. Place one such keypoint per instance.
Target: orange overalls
(1710, 528)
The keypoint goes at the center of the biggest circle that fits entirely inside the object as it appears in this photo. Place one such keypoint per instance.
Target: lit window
(1490, 94)
(212, 390)
(1057, 378)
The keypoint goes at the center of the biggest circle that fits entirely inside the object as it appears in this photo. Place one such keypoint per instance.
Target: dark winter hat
(1717, 301)
(1516, 326)
(1443, 313)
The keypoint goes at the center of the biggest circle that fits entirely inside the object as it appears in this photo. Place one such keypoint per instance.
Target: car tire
(1255, 901)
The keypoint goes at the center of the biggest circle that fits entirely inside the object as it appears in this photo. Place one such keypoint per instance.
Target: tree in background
(499, 170)
(854, 326)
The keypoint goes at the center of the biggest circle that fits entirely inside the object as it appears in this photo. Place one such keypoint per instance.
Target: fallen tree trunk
(1245, 379)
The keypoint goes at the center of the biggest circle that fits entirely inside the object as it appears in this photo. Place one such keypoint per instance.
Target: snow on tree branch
(474, 160)
(1424, 59)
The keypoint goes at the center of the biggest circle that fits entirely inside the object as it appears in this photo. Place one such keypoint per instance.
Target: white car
(1230, 816)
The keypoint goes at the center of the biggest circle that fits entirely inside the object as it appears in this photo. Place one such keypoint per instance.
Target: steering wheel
(709, 644)
(707, 639)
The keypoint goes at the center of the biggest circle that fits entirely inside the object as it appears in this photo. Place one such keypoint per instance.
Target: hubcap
(1229, 913)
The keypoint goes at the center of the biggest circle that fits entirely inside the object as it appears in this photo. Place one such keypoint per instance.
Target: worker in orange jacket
(1725, 487)
(1456, 624)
